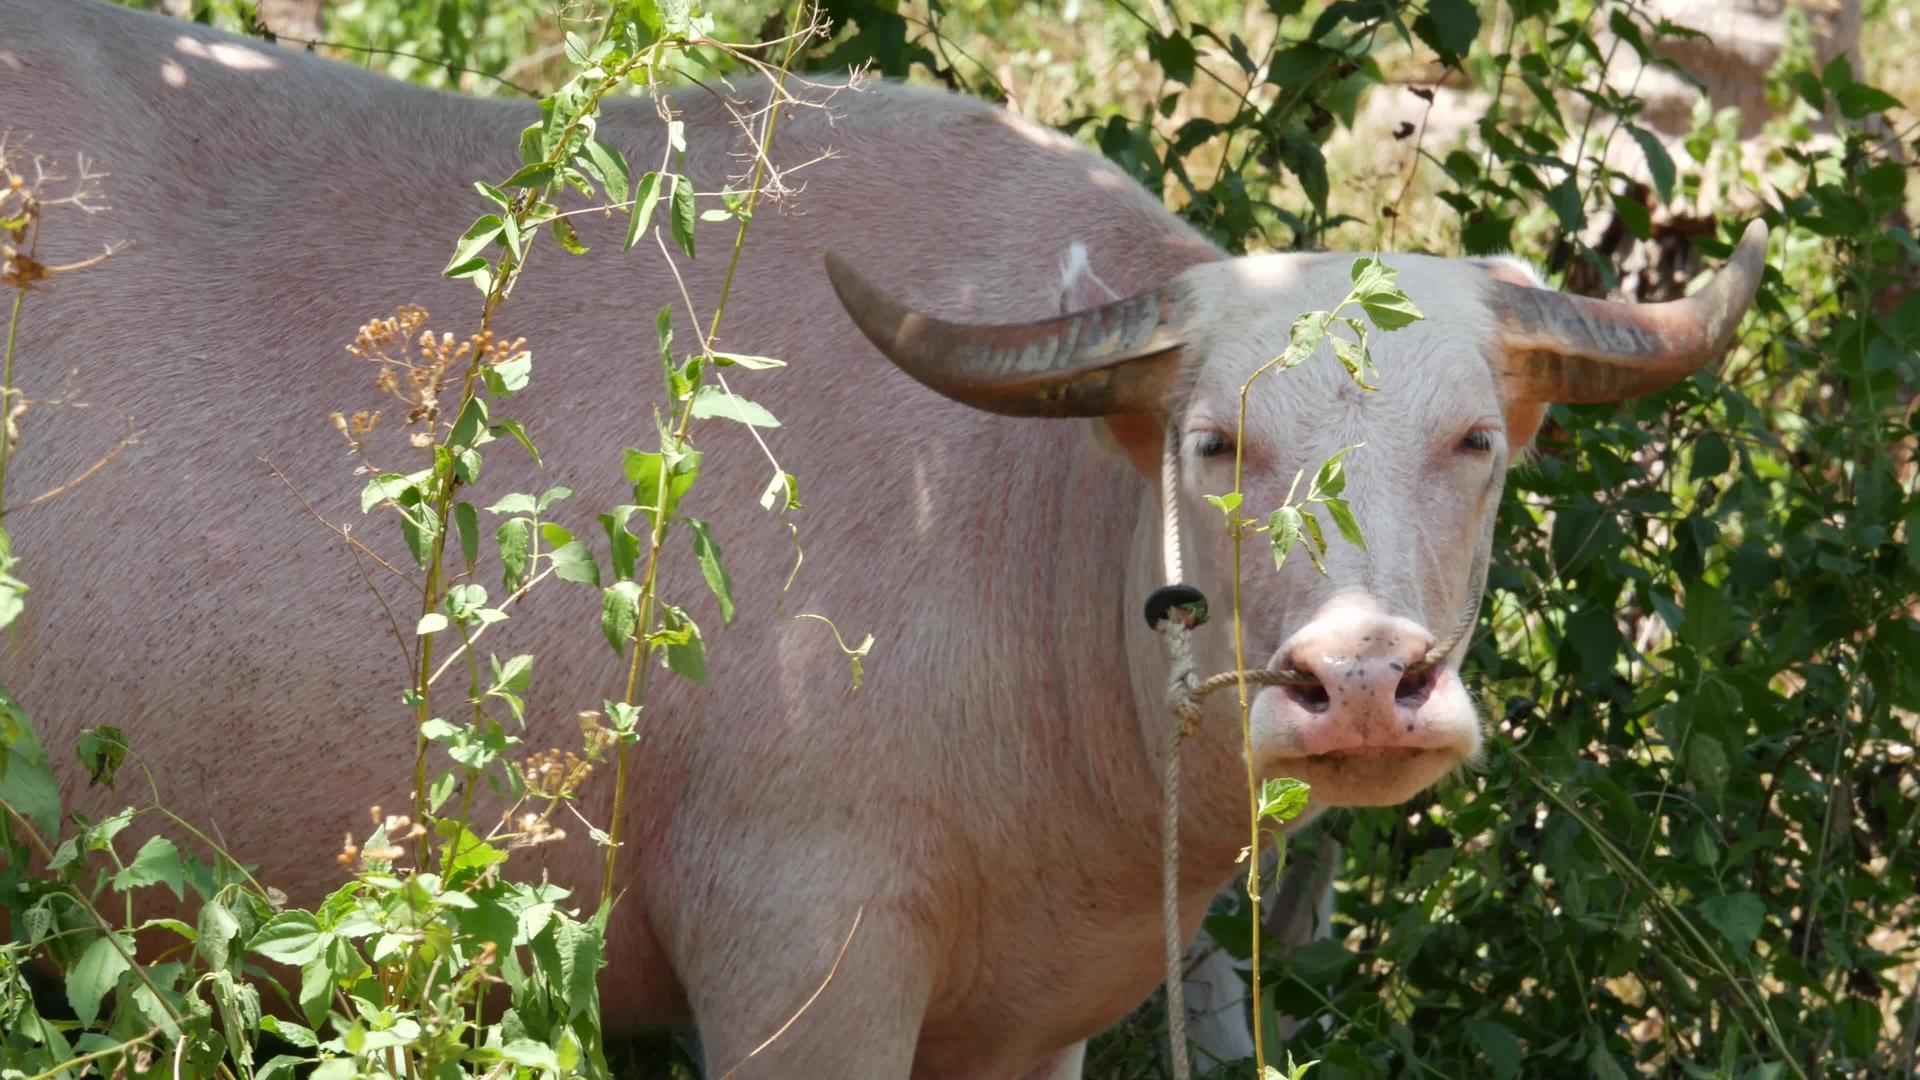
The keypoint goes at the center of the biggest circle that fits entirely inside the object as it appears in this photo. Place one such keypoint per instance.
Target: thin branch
(811, 998)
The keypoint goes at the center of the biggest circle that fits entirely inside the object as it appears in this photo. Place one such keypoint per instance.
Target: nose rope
(1175, 610)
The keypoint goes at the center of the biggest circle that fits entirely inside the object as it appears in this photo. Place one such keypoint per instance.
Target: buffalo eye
(1477, 441)
(1210, 444)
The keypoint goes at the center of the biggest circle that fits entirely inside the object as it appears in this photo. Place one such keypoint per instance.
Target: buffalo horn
(1119, 357)
(1572, 349)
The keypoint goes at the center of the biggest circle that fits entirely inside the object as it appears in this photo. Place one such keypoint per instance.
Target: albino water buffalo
(990, 799)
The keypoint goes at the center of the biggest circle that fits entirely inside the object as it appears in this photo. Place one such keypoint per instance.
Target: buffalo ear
(1551, 347)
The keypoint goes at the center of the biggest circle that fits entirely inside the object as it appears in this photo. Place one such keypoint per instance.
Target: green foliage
(431, 959)
(1691, 849)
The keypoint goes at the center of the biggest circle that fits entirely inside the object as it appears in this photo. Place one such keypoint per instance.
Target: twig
(811, 998)
(98, 1054)
(126, 440)
(511, 597)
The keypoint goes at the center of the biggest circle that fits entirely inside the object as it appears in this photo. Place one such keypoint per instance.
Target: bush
(1691, 850)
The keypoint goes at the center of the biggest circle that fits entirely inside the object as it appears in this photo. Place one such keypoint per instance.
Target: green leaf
(1376, 289)
(293, 938)
(1283, 531)
(316, 990)
(1498, 1044)
(573, 562)
(431, 623)
(686, 649)
(513, 538)
(530, 1054)
(519, 433)
(101, 751)
(468, 522)
(752, 363)
(462, 853)
(683, 213)
(94, 975)
(510, 376)
(1343, 520)
(1739, 917)
(623, 548)
(1331, 480)
(388, 487)
(156, 863)
(1353, 356)
(1859, 101)
(1449, 26)
(537, 175)
(217, 928)
(470, 427)
(713, 402)
(783, 486)
(609, 166)
(1283, 798)
(568, 237)
(26, 777)
(467, 250)
(644, 200)
(1659, 164)
(1638, 220)
(620, 614)
(708, 552)
(1707, 762)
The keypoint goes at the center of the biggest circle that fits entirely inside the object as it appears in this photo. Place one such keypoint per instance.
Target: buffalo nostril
(1414, 688)
(1310, 696)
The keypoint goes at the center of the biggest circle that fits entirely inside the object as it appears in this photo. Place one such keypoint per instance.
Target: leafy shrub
(1691, 850)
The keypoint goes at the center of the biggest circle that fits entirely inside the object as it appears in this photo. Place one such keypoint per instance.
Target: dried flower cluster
(415, 368)
(25, 200)
(532, 829)
(396, 829)
(551, 774)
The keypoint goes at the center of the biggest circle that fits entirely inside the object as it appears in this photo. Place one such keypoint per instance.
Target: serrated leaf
(620, 614)
(217, 928)
(1739, 917)
(94, 975)
(512, 538)
(156, 863)
(1283, 798)
(1283, 532)
(573, 562)
(292, 938)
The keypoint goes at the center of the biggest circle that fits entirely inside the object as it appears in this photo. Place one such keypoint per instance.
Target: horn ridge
(1576, 349)
(1118, 357)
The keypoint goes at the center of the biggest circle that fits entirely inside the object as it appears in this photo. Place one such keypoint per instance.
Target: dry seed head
(349, 851)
